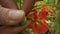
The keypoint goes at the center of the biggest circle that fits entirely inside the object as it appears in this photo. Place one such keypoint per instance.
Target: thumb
(11, 16)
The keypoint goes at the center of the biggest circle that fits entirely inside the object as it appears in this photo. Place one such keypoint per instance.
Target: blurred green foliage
(19, 3)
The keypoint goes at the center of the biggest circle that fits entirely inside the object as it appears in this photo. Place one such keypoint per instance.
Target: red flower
(42, 26)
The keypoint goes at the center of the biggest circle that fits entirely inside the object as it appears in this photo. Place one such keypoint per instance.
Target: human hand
(9, 19)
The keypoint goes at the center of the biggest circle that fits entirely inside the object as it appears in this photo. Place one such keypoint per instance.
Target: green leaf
(19, 3)
(51, 1)
(23, 22)
(39, 10)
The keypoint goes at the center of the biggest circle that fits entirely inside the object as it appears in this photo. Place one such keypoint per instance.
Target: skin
(14, 29)
(11, 16)
(9, 9)
(9, 4)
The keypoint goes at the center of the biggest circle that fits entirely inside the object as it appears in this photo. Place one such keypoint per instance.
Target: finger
(7, 30)
(11, 16)
(13, 30)
(20, 28)
(28, 5)
(9, 4)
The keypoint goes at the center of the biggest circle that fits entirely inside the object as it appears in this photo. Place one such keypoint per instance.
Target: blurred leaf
(23, 22)
(19, 3)
(51, 1)
(59, 2)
